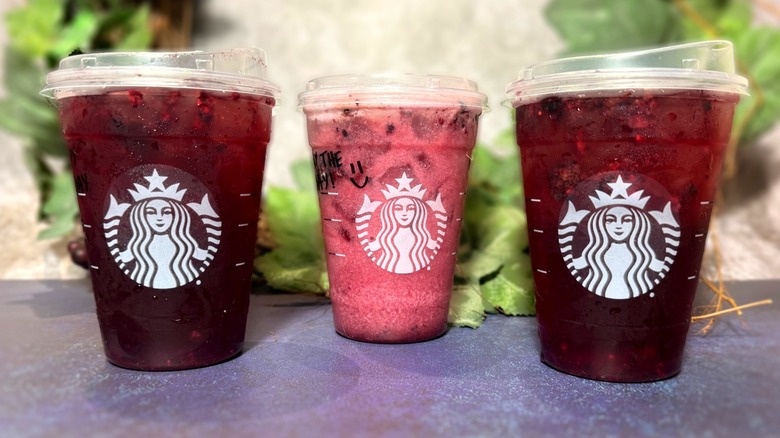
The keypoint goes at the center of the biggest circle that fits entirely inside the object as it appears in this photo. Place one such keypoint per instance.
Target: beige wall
(487, 41)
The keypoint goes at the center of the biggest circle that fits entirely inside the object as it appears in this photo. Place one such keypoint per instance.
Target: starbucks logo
(160, 234)
(618, 234)
(403, 232)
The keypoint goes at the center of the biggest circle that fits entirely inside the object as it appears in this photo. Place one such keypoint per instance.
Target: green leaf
(494, 237)
(29, 117)
(61, 206)
(293, 216)
(137, 31)
(706, 19)
(496, 262)
(42, 175)
(604, 25)
(77, 34)
(298, 262)
(608, 25)
(479, 265)
(756, 51)
(502, 230)
(63, 195)
(511, 291)
(33, 27)
(494, 177)
(466, 307)
(23, 75)
(303, 175)
(41, 171)
(290, 275)
(25, 112)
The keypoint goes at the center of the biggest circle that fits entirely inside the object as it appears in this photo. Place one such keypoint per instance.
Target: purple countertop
(296, 377)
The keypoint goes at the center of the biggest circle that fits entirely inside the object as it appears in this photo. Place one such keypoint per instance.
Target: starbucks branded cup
(391, 155)
(621, 156)
(167, 151)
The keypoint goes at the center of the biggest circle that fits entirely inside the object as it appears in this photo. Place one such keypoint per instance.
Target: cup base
(230, 355)
(375, 337)
(391, 321)
(154, 350)
(614, 354)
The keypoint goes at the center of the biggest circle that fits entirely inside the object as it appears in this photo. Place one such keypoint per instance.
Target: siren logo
(162, 236)
(408, 230)
(626, 243)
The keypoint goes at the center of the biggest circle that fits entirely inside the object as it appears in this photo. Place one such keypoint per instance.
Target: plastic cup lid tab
(241, 70)
(392, 89)
(707, 65)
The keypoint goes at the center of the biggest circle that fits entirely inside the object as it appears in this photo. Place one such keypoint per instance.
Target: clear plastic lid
(392, 89)
(707, 65)
(240, 70)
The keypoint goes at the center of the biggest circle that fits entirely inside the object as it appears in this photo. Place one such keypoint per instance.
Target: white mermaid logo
(161, 250)
(404, 243)
(628, 250)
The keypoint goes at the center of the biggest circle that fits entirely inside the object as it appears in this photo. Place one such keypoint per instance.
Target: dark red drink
(619, 189)
(168, 182)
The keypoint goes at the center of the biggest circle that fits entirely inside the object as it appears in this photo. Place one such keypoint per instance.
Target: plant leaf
(708, 19)
(479, 265)
(494, 177)
(466, 307)
(137, 31)
(511, 291)
(604, 25)
(33, 27)
(303, 175)
(297, 263)
(755, 50)
(76, 34)
(282, 273)
(494, 236)
(42, 174)
(61, 206)
(22, 74)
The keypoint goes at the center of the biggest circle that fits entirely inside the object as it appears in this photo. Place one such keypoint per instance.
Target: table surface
(297, 377)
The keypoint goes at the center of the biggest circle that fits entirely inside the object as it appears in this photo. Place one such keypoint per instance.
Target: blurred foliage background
(494, 270)
(40, 34)
(609, 25)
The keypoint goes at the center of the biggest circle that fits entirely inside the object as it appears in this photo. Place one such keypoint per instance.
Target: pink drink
(392, 164)
(619, 189)
(168, 183)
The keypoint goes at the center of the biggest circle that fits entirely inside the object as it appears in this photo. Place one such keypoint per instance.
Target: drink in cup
(621, 156)
(391, 155)
(167, 151)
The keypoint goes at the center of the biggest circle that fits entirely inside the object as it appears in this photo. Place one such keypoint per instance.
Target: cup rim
(242, 70)
(397, 89)
(704, 65)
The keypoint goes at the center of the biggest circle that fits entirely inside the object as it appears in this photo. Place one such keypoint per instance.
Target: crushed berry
(205, 107)
(135, 97)
(77, 249)
(552, 106)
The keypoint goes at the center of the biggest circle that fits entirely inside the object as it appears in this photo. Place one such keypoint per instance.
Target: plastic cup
(391, 155)
(621, 156)
(167, 151)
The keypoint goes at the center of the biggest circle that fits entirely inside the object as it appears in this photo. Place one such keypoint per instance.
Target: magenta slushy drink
(167, 151)
(391, 155)
(621, 157)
